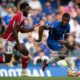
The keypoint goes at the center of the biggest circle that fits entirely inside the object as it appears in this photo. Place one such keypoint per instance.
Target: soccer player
(58, 32)
(10, 36)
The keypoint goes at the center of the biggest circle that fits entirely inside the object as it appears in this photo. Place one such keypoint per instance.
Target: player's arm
(41, 29)
(15, 33)
(67, 33)
(65, 36)
(64, 41)
(40, 32)
(24, 30)
(15, 24)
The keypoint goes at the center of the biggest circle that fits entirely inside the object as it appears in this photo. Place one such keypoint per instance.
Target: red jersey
(18, 20)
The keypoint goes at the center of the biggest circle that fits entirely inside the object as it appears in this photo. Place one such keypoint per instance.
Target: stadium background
(42, 10)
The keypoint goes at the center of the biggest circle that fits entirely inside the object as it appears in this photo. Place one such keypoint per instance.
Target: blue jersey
(57, 31)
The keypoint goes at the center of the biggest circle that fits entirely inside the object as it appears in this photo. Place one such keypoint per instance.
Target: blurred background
(43, 12)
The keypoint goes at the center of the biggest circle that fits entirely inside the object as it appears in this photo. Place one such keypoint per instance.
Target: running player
(58, 33)
(10, 37)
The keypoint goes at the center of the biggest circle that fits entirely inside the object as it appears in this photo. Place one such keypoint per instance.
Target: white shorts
(8, 46)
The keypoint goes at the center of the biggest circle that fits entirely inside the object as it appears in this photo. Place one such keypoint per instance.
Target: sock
(1, 59)
(54, 59)
(25, 62)
(70, 62)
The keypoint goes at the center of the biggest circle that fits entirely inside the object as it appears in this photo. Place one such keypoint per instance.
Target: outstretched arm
(24, 30)
(40, 33)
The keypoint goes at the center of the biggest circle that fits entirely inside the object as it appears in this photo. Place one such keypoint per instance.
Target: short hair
(67, 15)
(23, 5)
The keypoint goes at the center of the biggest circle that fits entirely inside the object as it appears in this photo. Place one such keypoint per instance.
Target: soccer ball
(72, 72)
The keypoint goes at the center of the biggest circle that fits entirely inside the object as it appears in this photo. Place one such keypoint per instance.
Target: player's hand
(36, 27)
(62, 41)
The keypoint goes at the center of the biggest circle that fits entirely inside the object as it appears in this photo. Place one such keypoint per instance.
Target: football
(72, 72)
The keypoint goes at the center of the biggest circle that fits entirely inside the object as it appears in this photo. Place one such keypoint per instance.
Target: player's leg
(7, 49)
(56, 46)
(2, 58)
(25, 59)
(52, 44)
(6, 59)
(70, 60)
(71, 66)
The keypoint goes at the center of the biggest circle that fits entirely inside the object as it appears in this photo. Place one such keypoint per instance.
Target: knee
(24, 52)
(63, 53)
(8, 58)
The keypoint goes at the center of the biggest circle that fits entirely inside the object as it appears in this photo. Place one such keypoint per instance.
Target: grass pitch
(39, 78)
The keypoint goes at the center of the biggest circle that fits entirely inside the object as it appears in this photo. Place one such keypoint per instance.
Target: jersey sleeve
(16, 20)
(67, 32)
(68, 29)
(50, 25)
(12, 22)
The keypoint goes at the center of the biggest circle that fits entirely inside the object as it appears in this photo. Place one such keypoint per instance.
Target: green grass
(39, 78)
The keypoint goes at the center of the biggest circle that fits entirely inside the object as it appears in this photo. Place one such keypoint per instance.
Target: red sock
(1, 59)
(25, 62)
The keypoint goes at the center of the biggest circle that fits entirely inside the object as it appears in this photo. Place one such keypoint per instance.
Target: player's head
(65, 19)
(24, 7)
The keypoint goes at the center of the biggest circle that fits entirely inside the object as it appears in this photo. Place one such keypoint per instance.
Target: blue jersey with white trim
(57, 31)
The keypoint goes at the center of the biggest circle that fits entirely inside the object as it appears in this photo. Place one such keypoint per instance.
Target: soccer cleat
(72, 72)
(1, 59)
(24, 73)
(44, 65)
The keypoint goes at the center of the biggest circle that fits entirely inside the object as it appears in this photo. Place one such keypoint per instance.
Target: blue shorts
(54, 45)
